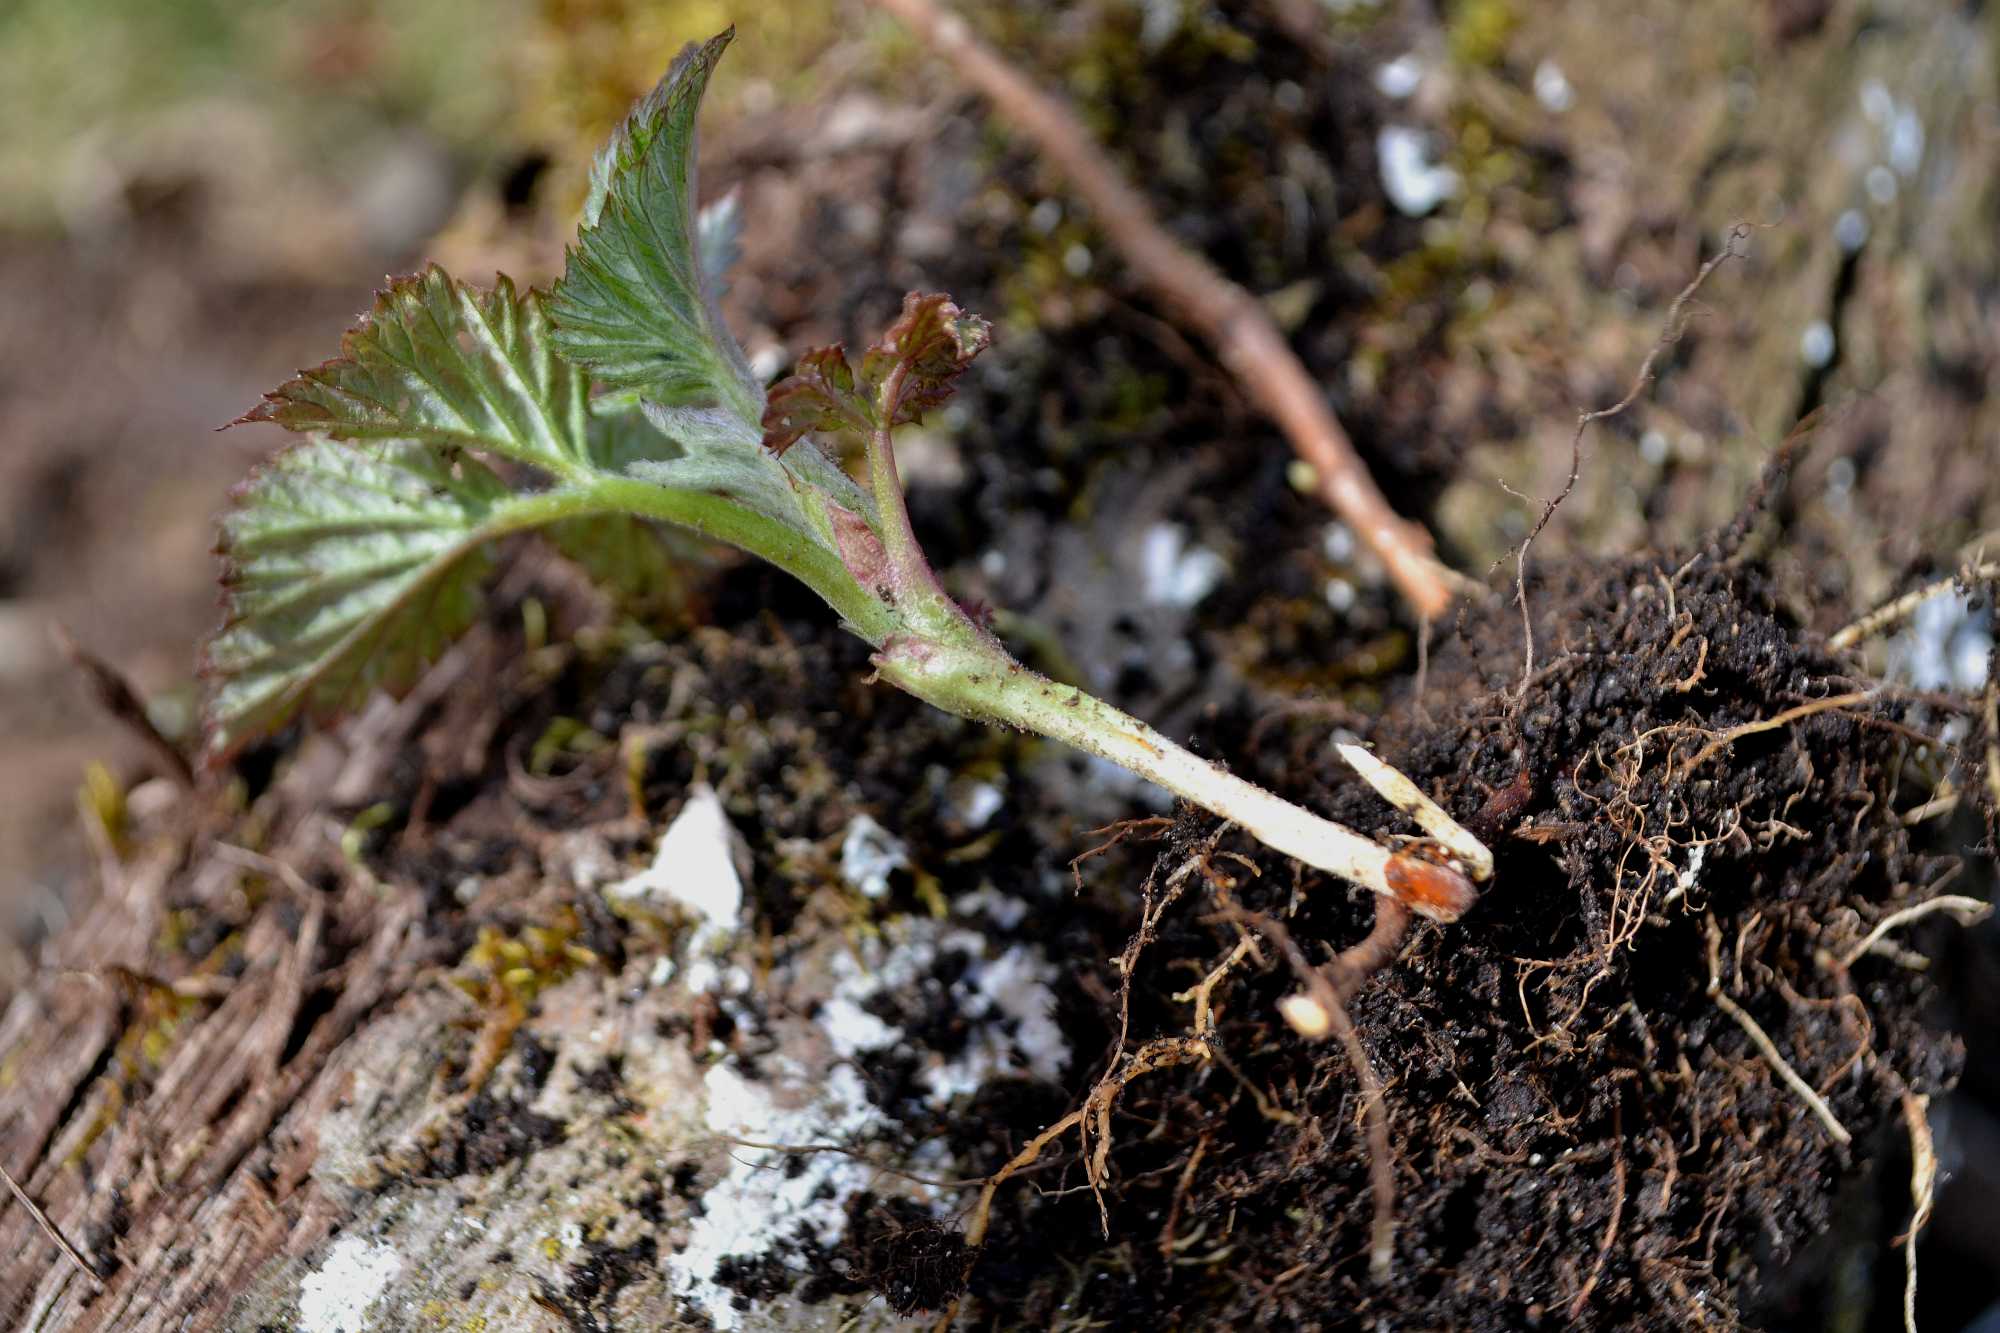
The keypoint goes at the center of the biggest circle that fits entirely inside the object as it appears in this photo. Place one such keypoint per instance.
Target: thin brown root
(1943, 802)
(1765, 1046)
(1204, 1012)
(1381, 1162)
(1151, 827)
(1233, 322)
(1696, 676)
(1967, 911)
(1354, 965)
(1670, 333)
(1895, 611)
(1790, 715)
(1730, 543)
(1093, 1116)
(1180, 1198)
(51, 1230)
(1322, 996)
(1617, 1212)
(1923, 1191)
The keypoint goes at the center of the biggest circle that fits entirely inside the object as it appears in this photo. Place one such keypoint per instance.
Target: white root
(1968, 911)
(1923, 1189)
(1406, 796)
(1897, 610)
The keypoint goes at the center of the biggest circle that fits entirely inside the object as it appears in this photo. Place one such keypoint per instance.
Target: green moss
(354, 839)
(564, 736)
(100, 803)
(508, 969)
(1477, 32)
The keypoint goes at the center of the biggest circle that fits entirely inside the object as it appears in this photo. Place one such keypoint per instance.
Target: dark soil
(1579, 1132)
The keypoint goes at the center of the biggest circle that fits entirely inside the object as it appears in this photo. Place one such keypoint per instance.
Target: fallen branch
(1233, 321)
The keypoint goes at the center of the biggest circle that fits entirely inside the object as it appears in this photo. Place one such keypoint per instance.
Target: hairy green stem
(930, 648)
(717, 518)
(980, 681)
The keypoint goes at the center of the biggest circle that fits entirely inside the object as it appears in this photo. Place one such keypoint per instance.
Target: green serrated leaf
(347, 568)
(635, 303)
(445, 364)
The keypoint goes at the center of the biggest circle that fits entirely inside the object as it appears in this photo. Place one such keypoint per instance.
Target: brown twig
(51, 1230)
(1229, 318)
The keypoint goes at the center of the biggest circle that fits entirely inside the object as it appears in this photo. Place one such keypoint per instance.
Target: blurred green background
(195, 197)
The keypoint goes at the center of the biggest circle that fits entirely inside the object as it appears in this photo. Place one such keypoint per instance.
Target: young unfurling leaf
(819, 394)
(909, 370)
(933, 342)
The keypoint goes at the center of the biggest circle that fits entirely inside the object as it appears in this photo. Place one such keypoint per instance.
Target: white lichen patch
(1012, 1007)
(1414, 183)
(1008, 1003)
(1002, 909)
(336, 1297)
(869, 854)
(774, 1204)
(1174, 573)
(696, 869)
(768, 1198)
